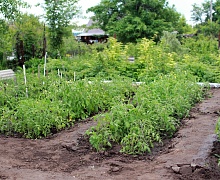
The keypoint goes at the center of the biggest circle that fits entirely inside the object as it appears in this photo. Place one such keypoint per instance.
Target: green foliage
(206, 23)
(170, 43)
(10, 8)
(209, 29)
(197, 13)
(203, 58)
(5, 42)
(34, 118)
(198, 56)
(32, 64)
(204, 73)
(54, 103)
(153, 60)
(5, 36)
(201, 12)
(150, 60)
(133, 20)
(29, 30)
(73, 48)
(201, 45)
(58, 16)
(153, 113)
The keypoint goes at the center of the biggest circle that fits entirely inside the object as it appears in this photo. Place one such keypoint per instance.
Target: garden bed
(68, 154)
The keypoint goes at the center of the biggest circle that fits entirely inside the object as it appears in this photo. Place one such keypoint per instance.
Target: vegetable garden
(104, 84)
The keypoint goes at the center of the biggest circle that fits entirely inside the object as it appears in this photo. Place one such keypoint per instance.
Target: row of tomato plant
(152, 114)
(54, 103)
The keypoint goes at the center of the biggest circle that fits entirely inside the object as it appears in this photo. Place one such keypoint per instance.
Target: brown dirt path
(67, 155)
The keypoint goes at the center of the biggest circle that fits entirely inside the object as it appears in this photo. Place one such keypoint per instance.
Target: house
(91, 36)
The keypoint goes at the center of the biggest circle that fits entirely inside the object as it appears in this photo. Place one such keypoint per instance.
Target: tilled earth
(190, 154)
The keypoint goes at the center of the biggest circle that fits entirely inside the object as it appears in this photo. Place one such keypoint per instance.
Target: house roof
(92, 32)
(96, 31)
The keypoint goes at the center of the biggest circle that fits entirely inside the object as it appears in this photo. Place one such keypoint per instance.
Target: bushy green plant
(170, 43)
(49, 104)
(204, 71)
(200, 45)
(153, 113)
(34, 118)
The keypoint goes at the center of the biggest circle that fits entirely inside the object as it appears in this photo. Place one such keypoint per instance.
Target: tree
(5, 40)
(59, 13)
(197, 13)
(10, 8)
(9, 12)
(216, 11)
(201, 14)
(134, 19)
(28, 37)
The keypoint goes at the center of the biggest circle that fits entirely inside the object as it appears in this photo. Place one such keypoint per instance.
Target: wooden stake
(25, 80)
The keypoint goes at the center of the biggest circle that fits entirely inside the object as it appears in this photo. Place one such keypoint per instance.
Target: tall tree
(216, 11)
(29, 37)
(5, 40)
(201, 15)
(197, 13)
(59, 13)
(134, 19)
(10, 8)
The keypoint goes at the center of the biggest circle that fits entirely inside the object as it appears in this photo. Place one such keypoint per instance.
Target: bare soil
(190, 154)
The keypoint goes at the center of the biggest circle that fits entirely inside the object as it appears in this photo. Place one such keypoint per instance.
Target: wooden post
(45, 63)
(25, 80)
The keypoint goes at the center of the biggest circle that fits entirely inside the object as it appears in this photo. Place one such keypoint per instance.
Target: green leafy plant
(153, 113)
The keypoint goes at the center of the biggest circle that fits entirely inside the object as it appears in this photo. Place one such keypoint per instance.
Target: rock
(115, 169)
(176, 169)
(74, 148)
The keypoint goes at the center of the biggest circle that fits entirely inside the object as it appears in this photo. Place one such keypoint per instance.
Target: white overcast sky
(182, 6)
